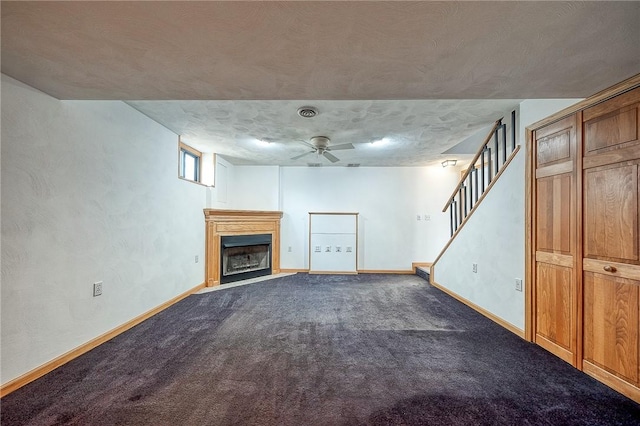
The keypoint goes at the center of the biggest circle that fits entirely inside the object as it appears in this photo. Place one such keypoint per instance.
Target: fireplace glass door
(245, 256)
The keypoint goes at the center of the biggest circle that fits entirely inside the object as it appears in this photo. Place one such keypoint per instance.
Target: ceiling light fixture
(307, 111)
(379, 142)
(447, 163)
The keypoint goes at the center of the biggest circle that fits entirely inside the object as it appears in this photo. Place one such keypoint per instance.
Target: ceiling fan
(320, 146)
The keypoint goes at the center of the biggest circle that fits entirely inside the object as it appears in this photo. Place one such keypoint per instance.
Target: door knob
(610, 268)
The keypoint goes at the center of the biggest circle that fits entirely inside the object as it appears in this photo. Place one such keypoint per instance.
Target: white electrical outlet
(197, 258)
(475, 268)
(97, 289)
(518, 284)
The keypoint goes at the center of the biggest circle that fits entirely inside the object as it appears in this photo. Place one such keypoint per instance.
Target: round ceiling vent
(307, 111)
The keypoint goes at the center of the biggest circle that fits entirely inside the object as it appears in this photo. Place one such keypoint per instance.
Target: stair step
(423, 272)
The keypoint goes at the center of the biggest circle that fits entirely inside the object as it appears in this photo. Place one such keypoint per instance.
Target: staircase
(491, 158)
(424, 272)
(482, 264)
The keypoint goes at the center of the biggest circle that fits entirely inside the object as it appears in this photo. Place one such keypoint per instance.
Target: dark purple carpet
(318, 350)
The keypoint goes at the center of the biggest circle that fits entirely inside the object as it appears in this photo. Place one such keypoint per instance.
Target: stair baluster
(480, 173)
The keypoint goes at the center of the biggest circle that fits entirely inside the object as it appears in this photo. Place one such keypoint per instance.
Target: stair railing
(485, 166)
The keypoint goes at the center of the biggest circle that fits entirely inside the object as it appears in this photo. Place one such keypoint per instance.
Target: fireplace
(225, 223)
(244, 256)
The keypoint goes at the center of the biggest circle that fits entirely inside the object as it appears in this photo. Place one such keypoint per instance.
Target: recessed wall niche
(333, 243)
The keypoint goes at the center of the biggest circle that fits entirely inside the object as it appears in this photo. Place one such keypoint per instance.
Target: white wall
(493, 238)
(387, 200)
(256, 187)
(221, 196)
(494, 235)
(533, 110)
(89, 193)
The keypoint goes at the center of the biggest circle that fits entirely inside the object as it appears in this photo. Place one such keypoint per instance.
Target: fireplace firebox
(244, 256)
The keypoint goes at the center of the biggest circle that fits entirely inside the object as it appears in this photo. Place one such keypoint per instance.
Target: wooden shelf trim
(219, 214)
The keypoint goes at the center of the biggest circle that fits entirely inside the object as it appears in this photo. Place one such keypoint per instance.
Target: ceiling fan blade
(341, 146)
(307, 144)
(330, 157)
(302, 155)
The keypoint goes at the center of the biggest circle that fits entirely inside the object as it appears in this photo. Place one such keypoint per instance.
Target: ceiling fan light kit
(320, 141)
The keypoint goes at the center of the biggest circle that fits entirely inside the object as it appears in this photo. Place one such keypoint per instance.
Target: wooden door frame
(530, 188)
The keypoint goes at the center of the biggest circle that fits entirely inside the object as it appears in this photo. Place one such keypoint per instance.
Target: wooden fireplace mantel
(222, 223)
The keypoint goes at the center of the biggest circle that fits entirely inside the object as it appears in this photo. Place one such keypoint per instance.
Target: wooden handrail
(464, 221)
(497, 124)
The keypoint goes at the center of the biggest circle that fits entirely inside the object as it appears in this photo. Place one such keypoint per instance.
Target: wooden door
(555, 296)
(611, 242)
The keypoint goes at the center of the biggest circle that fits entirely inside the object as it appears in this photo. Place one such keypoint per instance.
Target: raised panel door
(553, 211)
(611, 242)
(612, 130)
(554, 287)
(611, 324)
(611, 212)
(554, 147)
(555, 316)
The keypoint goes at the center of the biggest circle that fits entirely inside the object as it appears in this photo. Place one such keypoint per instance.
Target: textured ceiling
(415, 132)
(357, 61)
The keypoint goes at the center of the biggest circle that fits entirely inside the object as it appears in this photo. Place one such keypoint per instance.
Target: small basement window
(190, 163)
